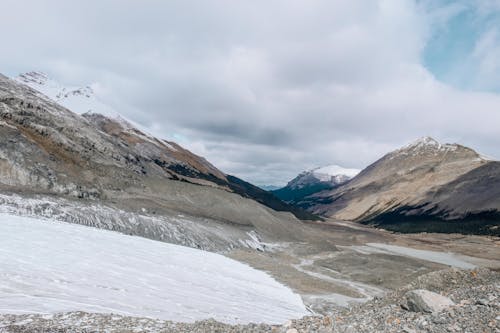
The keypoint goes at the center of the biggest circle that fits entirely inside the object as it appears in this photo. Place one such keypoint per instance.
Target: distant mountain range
(269, 187)
(424, 186)
(313, 181)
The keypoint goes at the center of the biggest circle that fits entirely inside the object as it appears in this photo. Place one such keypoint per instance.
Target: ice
(49, 267)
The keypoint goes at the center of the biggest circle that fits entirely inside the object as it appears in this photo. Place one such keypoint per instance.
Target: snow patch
(77, 99)
(334, 173)
(424, 145)
(80, 100)
(50, 267)
(335, 170)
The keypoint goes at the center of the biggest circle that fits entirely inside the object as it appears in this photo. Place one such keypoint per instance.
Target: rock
(292, 330)
(422, 300)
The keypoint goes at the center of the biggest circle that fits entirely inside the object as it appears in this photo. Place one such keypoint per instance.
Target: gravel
(475, 292)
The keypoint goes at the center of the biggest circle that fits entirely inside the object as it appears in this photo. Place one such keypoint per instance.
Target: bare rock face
(423, 182)
(422, 300)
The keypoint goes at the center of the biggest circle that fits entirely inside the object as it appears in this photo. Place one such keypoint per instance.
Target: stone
(421, 300)
(407, 329)
(482, 301)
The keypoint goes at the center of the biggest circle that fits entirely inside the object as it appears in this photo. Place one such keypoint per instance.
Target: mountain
(313, 181)
(181, 163)
(269, 187)
(424, 186)
(93, 161)
(77, 99)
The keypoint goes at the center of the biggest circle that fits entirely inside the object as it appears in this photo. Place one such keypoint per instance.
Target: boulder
(422, 300)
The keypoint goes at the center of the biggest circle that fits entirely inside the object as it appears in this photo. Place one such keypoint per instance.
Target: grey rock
(427, 301)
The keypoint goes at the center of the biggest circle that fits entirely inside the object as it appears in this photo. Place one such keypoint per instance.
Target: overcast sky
(266, 89)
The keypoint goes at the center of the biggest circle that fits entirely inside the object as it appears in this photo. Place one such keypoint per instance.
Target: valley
(250, 166)
(104, 225)
(347, 263)
(337, 266)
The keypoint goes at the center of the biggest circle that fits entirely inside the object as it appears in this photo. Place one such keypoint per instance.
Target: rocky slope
(313, 181)
(48, 151)
(425, 186)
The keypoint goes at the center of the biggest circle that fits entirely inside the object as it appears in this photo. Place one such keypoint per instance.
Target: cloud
(263, 89)
(486, 55)
(463, 48)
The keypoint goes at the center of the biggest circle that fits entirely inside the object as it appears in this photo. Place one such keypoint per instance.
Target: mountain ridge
(51, 154)
(312, 181)
(415, 182)
(164, 154)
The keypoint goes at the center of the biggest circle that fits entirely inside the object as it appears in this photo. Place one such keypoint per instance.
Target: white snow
(77, 99)
(80, 100)
(427, 142)
(48, 267)
(327, 172)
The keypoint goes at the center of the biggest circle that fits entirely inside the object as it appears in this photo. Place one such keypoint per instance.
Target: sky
(266, 89)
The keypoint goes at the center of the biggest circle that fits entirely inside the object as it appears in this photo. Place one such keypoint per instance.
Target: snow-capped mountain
(77, 99)
(313, 181)
(332, 174)
(424, 181)
(81, 100)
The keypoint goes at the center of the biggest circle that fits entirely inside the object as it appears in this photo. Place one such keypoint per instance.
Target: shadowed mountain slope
(425, 186)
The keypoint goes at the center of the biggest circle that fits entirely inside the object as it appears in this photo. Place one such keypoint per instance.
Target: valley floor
(346, 263)
(52, 269)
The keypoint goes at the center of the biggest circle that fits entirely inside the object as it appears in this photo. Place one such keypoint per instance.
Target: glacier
(47, 266)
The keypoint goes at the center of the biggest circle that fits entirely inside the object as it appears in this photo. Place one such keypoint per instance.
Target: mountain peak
(425, 141)
(427, 145)
(79, 99)
(335, 170)
(331, 174)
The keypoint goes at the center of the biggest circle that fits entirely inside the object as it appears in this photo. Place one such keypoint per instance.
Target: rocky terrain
(425, 186)
(454, 301)
(124, 145)
(313, 181)
(98, 164)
